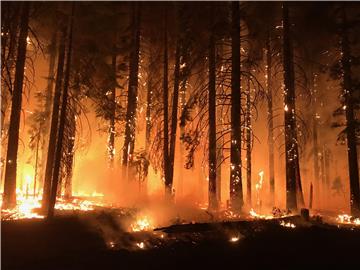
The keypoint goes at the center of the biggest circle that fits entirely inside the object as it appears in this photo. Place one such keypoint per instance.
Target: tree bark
(49, 98)
(213, 202)
(270, 119)
(59, 145)
(111, 142)
(293, 181)
(9, 199)
(54, 123)
(315, 153)
(236, 192)
(350, 119)
(248, 143)
(129, 143)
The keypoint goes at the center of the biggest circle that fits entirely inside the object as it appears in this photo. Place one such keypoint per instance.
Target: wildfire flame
(347, 219)
(28, 203)
(287, 224)
(234, 239)
(142, 224)
(259, 216)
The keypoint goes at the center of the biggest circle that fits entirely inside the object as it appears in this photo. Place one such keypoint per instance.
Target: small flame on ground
(140, 245)
(287, 224)
(347, 219)
(256, 215)
(234, 239)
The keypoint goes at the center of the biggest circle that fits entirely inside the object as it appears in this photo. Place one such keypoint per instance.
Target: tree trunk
(350, 120)
(213, 202)
(315, 152)
(168, 184)
(248, 143)
(270, 119)
(47, 109)
(54, 123)
(59, 146)
(293, 181)
(69, 154)
(9, 199)
(236, 193)
(129, 143)
(149, 93)
(112, 132)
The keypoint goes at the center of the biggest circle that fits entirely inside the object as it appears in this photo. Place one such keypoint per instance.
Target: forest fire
(135, 132)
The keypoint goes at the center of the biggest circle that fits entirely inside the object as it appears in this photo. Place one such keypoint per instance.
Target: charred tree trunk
(236, 192)
(270, 119)
(129, 143)
(60, 136)
(350, 119)
(112, 132)
(168, 184)
(213, 202)
(293, 182)
(248, 143)
(54, 123)
(9, 199)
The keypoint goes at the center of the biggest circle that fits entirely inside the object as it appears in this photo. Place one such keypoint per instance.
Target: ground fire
(177, 135)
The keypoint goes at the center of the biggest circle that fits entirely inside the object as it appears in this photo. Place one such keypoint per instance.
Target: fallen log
(243, 226)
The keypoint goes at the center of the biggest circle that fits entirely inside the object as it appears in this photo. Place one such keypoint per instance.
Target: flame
(141, 245)
(234, 239)
(347, 219)
(26, 205)
(259, 216)
(287, 224)
(142, 224)
(24, 208)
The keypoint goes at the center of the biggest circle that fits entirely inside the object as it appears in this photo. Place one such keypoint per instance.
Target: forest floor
(93, 240)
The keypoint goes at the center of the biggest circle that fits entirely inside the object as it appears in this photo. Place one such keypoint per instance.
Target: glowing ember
(287, 224)
(111, 244)
(141, 224)
(141, 245)
(347, 219)
(234, 239)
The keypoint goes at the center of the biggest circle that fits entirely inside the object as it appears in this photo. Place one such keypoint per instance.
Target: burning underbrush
(29, 205)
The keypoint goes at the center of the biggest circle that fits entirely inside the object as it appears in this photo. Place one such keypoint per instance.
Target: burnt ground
(70, 243)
